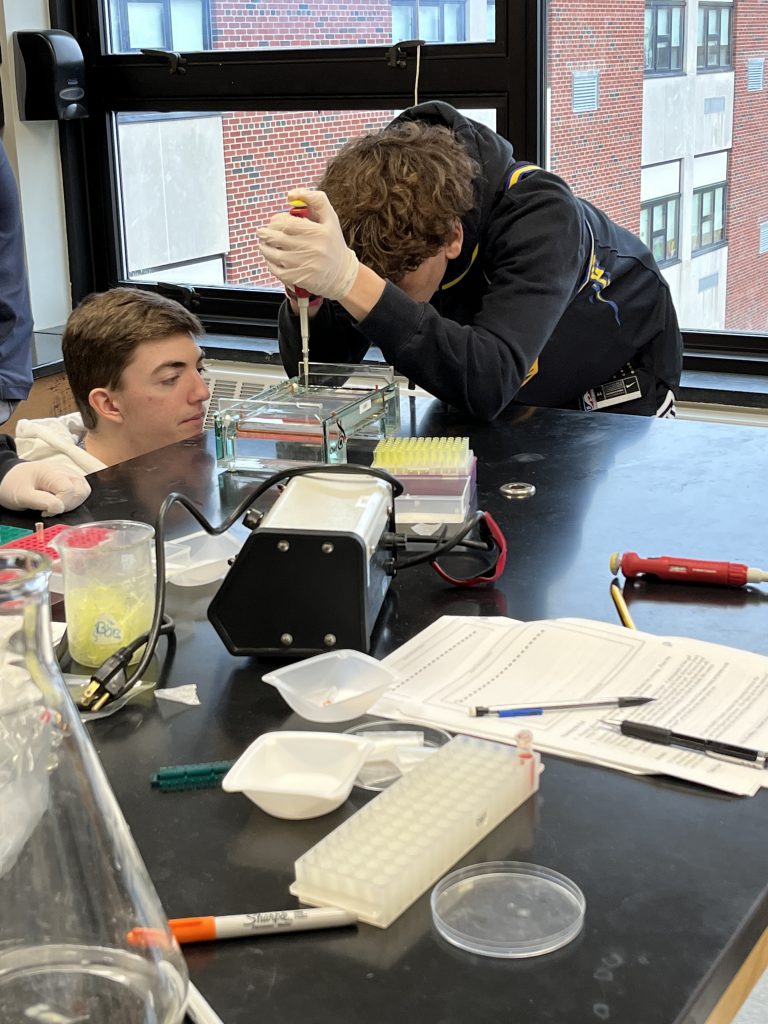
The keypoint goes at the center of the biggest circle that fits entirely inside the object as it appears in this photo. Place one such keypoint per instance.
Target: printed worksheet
(702, 689)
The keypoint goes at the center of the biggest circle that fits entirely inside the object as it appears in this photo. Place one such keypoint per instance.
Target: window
(191, 162)
(182, 25)
(713, 48)
(659, 227)
(324, 68)
(762, 245)
(708, 218)
(490, 20)
(194, 25)
(436, 21)
(714, 104)
(706, 284)
(663, 37)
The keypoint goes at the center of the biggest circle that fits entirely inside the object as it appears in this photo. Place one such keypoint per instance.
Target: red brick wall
(266, 153)
(747, 204)
(598, 152)
(250, 24)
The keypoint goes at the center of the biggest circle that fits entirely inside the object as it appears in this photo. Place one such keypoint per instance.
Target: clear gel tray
(387, 854)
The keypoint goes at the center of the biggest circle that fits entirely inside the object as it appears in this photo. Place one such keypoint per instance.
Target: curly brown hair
(399, 192)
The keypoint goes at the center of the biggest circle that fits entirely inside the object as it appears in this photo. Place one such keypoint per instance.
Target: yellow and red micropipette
(300, 209)
(687, 570)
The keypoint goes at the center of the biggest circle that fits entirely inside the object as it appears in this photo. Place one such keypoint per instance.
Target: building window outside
(714, 104)
(714, 37)
(182, 25)
(708, 218)
(490, 16)
(663, 37)
(709, 282)
(436, 21)
(660, 228)
(762, 246)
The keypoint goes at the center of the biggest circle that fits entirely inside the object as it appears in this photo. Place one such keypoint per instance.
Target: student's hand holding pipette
(309, 252)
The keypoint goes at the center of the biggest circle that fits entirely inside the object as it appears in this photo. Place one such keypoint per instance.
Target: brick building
(657, 111)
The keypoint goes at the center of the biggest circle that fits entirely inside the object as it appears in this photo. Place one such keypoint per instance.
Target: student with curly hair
(483, 279)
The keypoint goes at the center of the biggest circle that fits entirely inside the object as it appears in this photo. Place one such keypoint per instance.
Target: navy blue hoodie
(15, 312)
(547, 300)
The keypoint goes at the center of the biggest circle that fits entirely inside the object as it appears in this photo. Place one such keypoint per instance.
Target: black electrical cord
(111, 680)
(444, 544)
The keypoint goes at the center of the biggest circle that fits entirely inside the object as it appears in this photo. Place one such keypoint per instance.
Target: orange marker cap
(193, 929)
(148, 937)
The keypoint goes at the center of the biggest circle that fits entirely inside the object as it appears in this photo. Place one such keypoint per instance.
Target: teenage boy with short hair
(134, 366)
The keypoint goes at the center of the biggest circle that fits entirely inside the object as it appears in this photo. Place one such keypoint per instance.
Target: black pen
(715, 748)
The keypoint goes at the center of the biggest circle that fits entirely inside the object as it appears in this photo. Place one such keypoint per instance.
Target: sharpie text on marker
(239, 926)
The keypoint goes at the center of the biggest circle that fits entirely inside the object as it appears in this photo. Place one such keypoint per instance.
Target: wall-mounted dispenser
(50, 76)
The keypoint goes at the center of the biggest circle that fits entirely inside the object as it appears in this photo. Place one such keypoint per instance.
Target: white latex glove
(44, 487)
(308, 252)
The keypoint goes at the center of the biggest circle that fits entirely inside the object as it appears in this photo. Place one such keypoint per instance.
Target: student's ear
(453, 248)
(104, 404)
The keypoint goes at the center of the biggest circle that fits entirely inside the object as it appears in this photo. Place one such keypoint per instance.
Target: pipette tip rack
(390, 851)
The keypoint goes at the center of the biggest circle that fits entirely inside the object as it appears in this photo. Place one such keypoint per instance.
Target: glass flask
(83, 937)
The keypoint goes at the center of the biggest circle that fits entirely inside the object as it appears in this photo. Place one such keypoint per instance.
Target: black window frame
(697, 220)
(655, 8)
(650, 206)
(705, 38)
(502, 75)
(507, 74)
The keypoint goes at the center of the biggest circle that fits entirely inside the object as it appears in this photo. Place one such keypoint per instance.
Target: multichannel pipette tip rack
(437, 474)
(390, 851)
(436, 456)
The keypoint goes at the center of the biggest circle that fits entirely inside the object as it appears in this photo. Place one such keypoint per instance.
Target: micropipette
(688, 570)
(300, 209)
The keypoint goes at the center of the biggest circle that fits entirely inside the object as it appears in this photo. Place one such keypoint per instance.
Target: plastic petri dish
(507, 909)
(397, 745)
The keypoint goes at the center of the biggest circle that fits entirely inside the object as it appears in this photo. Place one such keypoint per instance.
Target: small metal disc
(517, 490)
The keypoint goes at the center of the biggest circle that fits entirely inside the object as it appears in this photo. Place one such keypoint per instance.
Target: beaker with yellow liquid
(109, 587)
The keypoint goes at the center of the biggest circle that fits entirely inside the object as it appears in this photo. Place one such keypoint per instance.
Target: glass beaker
(73, 888)
(109, 587)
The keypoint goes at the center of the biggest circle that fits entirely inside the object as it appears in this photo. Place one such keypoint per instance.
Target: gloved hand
(309, 252)
(43, 487)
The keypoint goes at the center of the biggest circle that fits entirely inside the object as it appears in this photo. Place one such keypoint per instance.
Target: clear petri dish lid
(397, 747)
(507, 909)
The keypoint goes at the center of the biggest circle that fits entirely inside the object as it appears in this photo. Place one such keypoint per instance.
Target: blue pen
(570, 705)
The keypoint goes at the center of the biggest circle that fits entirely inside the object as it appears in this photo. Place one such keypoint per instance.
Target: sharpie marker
(240, 926)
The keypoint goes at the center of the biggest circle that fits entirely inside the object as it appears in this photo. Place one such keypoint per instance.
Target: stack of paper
(702, 689)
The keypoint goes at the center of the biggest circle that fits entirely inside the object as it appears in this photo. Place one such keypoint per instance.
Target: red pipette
(300, 209)
(687, 570)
